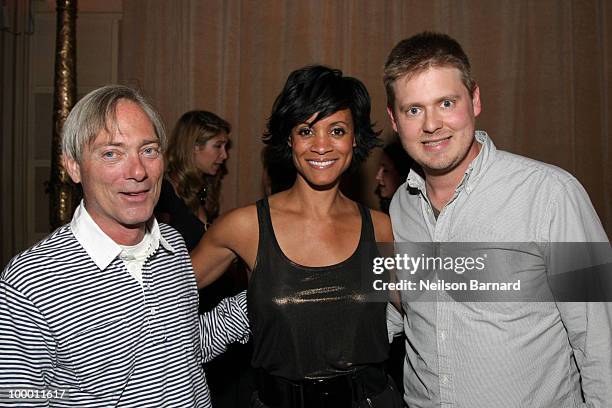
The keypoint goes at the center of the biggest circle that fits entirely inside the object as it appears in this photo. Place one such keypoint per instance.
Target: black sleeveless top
(314, 322)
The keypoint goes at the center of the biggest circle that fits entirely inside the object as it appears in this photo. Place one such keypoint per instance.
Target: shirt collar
(158, 238)
(478, 166)
(99, 246)
(472, 173)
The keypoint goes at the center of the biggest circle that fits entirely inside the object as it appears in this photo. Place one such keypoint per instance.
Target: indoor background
(544, 68)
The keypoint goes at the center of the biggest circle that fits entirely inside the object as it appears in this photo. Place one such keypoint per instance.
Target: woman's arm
(233, 234)
(382, 226)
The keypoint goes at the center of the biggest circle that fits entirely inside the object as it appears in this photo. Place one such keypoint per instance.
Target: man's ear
(476, 103)
(73, 168)
(391, 118)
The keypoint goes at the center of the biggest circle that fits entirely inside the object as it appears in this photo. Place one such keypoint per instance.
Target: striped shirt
(77, 327)
(467, 354)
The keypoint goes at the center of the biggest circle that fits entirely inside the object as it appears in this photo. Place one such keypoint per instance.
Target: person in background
(276, 176)
(103, 312)
(392, 172)
(318, 339)
(197, 151)
(189, 202)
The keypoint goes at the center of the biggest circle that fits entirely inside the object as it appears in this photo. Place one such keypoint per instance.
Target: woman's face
(210, 156)
(387, 177)
(323, 151)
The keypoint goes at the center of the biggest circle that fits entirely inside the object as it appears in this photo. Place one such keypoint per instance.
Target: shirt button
(444, 379)
(153, 310)
(443, 335)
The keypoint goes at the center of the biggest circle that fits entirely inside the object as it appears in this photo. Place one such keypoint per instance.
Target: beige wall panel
(96, 49)
(543, 68)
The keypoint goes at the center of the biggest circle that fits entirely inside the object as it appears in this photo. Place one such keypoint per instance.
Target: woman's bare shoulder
(239, 220)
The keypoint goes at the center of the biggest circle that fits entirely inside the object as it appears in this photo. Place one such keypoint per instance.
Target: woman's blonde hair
(195, 128)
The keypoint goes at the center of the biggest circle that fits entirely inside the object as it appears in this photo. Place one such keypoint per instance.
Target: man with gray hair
(103, 312)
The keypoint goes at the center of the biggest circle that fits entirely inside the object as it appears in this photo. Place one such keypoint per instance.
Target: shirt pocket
(103, 356)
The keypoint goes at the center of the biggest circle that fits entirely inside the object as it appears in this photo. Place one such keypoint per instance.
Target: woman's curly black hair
(319, 89)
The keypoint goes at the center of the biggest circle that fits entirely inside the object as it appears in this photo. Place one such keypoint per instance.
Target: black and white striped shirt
(73, 321)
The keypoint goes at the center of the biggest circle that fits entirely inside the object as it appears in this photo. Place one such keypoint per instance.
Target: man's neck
(442, 186)
(440, 190)
(121, 234)
(126, 236)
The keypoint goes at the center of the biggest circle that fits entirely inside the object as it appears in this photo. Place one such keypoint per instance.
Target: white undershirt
(134, 256)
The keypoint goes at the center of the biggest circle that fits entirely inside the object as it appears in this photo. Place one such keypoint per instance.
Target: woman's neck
(302, 197)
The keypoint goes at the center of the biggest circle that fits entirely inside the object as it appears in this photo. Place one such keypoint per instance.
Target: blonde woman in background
(189, 202)
(196, 156)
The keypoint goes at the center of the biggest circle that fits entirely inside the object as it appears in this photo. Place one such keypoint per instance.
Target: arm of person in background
(225, 324)
(588, 324)
(27, 348)
(233, 234)
(384, 234)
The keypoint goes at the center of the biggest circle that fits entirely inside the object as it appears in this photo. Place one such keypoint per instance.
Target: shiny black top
(314, 322)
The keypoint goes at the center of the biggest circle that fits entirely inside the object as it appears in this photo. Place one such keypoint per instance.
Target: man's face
(121, 174)
(434, 116)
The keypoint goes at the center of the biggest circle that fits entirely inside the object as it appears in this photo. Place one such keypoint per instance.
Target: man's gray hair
(96, 111)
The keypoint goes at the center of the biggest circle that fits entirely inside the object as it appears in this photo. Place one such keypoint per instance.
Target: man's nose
(135, 168)
(433, 121)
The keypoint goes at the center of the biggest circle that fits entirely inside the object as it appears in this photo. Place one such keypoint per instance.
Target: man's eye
(150, 152)
(109, 155)
(447, 103)
(338, 131)
(413, 111)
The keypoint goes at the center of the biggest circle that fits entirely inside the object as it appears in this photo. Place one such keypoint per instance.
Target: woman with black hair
(319, 340)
